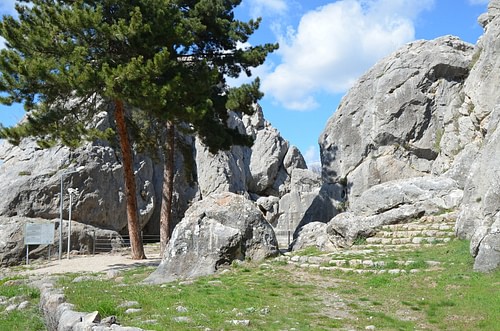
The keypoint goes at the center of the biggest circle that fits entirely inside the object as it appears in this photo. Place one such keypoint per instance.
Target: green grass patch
(269, 299)
(284, 297)
(27, 319)
(451, 298)
(309, 251)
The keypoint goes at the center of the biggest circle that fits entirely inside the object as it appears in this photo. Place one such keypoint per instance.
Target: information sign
(39, 233)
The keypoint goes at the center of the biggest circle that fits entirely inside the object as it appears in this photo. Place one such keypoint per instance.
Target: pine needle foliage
(66, 60)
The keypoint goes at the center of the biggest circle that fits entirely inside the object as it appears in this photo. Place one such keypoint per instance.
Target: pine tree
(169, 58)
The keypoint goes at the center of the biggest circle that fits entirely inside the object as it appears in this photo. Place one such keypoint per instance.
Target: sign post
(38, 234)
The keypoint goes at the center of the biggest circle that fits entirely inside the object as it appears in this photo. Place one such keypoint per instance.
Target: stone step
(348, 262)
(394, 247)
(414, 233)
(417, 226)
(407, 240)
(363, 270)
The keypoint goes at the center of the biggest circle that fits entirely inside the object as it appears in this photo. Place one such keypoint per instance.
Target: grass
(13, 288)
(266, 297)
(285, 297)
(455, 298)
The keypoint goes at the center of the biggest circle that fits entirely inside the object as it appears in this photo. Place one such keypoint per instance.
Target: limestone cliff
(428, 112)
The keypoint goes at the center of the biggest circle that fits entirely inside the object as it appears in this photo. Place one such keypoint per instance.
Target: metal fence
(118, 243)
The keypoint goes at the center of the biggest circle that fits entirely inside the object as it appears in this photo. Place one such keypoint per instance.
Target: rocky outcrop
(427, 114)
(391, 124)
(217, 230)
(32, 177)
(480, 210)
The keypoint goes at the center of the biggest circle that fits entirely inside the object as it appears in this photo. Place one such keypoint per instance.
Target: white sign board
(39, 233)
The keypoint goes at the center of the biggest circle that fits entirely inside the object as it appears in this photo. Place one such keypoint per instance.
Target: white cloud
(260, 7)
(311, 156)
(334, 44)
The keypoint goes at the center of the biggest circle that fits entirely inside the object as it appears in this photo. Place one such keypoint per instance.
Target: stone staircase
(375, 254)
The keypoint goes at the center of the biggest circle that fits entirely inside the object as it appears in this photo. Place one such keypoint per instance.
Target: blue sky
(324, 47)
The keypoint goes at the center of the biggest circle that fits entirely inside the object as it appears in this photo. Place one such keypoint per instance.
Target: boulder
(390, 124)
(215, 231)
(488, 258)
(394, 202)
(313, 234)
(427, 193)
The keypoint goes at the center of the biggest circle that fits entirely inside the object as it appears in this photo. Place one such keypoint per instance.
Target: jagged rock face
(217, 230)
(390, 124)
(480, 210)
(265, 169)
(431, 108)
(32, 176)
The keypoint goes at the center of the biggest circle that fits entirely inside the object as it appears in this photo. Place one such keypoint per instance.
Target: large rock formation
(479, 216)
(424, 117)
(391, 125)
(32, 177)
(216, 231)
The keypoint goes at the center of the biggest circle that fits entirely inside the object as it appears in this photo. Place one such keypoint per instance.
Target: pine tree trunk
(168, 188)
(130, 189)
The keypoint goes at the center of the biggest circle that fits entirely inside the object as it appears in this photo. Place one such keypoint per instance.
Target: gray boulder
(428, 193)
(217, 230)
(488, 258)
(313, 234)
(395, 202)
(390, 123)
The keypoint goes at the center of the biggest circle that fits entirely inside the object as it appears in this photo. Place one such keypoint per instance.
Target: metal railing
(116, 244)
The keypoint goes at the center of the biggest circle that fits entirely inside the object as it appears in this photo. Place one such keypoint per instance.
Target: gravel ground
(83, 264)
(89, 264)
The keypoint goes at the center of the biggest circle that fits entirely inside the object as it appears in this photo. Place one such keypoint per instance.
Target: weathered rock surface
(217, 230)
(32, 177)
(313, 234)
(479, 212)
(431, 108)
(389, 125)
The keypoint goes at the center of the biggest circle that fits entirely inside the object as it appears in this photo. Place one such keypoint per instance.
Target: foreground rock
(480, 211)
(216, 231)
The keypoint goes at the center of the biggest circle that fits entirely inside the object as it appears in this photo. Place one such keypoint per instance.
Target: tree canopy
(169, 57)
(67, 60)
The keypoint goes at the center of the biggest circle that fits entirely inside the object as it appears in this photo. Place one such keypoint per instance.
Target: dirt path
(83, 264)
